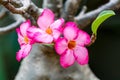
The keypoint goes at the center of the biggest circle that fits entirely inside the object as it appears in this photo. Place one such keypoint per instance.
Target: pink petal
(24, 26)
(56, 34)
(57, 24)
(67, 59)
(70, 30)
(35, 33)
(81, 55)
(32, 31)
(83, 38)
(23, 52)
(19, 55)
(43, 37)
(27, 50)
(45, 19)
(60, 46)
(20, 37)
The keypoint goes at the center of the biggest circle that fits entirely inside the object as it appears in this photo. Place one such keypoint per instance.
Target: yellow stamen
(71, 44)
(26, 39)
(49, 30)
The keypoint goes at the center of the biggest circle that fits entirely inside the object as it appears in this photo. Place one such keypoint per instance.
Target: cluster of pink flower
(69, 41)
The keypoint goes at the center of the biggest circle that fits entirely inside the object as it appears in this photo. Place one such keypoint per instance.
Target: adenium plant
(69, 41)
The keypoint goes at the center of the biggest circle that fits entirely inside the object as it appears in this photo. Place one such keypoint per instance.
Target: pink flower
(24, 41)
(70, 47)
(49, 30)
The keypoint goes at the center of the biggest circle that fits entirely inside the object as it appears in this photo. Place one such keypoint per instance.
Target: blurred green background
(8, 48)
(104, 53)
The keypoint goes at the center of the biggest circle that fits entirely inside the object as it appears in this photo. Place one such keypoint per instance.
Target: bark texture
(43, 64)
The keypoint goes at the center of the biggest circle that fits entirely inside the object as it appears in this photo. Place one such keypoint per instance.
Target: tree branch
(28, 10)
(86, 18)
(82, 12)
(54, 5)
(34, 11)
(16, 2)
(9, 6)
(12, 26)
(70, 9)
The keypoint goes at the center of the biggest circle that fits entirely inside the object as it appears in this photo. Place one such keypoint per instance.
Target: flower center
(49, 30)
(26, 39)
(71, 44)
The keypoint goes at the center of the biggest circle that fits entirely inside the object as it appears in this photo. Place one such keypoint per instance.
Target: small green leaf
(100, 19)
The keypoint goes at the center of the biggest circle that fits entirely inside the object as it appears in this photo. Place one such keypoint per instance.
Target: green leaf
(100, 19)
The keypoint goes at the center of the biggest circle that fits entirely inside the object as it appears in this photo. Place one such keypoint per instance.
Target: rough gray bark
(43, 64)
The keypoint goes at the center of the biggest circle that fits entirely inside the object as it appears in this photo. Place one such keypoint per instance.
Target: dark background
(104, 53)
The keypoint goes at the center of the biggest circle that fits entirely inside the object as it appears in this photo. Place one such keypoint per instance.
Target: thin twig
(85, 19)
(70, 9)
(11, 8)
(82, 12)
(93, 39)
